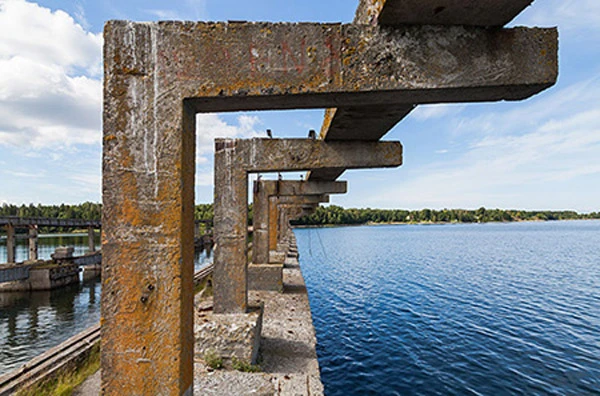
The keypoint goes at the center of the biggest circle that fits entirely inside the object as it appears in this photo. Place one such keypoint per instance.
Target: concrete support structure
(263, 190)
(234, 159)
(11, 245)
(91, 240)
(277, 218)
(287, 213)
(33, 243)
(158, 75)
(367, 122)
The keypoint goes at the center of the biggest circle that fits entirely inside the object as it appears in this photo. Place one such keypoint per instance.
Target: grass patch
(206, 285)
(65, 384)
(245, 367)
(213, 360)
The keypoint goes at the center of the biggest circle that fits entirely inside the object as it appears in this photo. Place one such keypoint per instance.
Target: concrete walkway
(288, 356)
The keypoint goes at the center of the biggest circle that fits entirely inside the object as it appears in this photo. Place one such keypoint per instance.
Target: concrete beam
(234, 159)
(263, 189)
(48, 222)
(372, 122)
(279, 66)
(439, 12)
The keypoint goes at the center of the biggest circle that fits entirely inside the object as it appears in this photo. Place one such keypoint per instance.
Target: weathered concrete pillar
(33, 243)
(231, 230)
(11, 246)
(91, 239)
(147, 221)
(263, 190)
(291, 211)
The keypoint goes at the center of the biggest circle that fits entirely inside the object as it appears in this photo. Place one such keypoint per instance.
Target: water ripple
(495, 309)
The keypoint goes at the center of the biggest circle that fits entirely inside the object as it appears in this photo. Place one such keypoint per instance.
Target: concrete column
(147, 221)
(234, 159)
(11, 246)
(91, 240)
(33, 243)
(231, 231)
(260, 238)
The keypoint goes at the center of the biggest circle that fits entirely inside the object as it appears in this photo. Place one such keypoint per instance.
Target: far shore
(433, 223)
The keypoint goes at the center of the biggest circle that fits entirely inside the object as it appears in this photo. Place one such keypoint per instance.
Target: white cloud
(168, 15)
(210, 126)
(514, 158)
(50, 92)
(567, 14)
(427, 112)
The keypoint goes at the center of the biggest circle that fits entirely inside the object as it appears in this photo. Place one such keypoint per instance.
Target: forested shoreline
(326, 215)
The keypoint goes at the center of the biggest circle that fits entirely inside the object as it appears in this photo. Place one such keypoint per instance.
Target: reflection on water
(33, 322)
(480, 309)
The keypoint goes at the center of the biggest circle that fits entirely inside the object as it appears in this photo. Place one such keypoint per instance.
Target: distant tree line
(337, 215)
(324, 215)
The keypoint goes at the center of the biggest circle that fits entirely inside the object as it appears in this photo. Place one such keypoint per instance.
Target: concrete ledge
(44, 278)
(265, 277)
(276, 257)
(228, 335)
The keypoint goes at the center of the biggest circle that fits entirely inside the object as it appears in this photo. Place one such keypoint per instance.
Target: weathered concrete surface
(45, 278)
(263, 189)
(288, 358)
(11, 246)
(33, 243)
(279, 65)
(228, 336)
(234, 159)
(439, 12)
(265, 276)
(148, 222)
(274, 221)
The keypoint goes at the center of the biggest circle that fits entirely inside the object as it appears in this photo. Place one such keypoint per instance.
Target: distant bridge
(48, 222)
(12, 223)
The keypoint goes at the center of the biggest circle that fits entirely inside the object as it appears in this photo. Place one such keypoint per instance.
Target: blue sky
(542, 153)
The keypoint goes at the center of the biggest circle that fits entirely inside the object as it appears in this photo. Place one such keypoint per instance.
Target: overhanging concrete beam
(279, 66)
(372, 122)
(439, 12)
(263, 190)
(234, 159)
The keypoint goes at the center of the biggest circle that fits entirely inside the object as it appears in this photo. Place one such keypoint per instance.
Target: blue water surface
(481, 309)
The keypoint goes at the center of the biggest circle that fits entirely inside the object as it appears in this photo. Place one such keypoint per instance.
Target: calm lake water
(31, 323)
(483, 309)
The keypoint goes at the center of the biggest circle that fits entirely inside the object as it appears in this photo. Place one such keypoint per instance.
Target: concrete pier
(264, 190)
(159, 75)
(32, 224)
